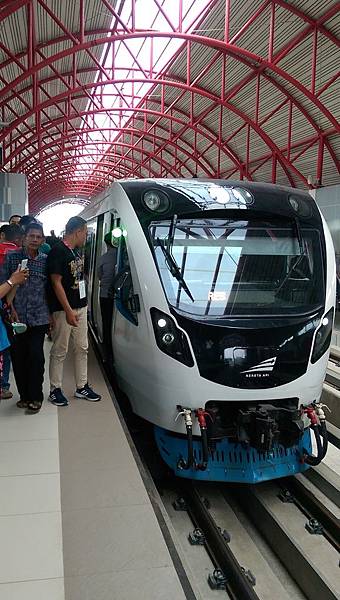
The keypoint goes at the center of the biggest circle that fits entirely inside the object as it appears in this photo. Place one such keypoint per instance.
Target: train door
(90, 254)
(126, 327)
(104, 224)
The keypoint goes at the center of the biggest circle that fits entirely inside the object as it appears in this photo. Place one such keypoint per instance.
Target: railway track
(275, 540)
(294, 490)
(228, 573)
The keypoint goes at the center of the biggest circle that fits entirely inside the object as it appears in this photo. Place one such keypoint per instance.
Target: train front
(248, 272)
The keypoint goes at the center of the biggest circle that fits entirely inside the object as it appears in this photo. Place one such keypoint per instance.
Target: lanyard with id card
(82, 289)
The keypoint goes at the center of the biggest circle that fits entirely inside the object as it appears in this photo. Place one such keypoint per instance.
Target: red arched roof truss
(250, 91)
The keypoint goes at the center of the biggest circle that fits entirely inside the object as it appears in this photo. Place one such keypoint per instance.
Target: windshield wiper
(298, 259)
(299, 236)
(174, 268)
(171, 236)
(292, 268)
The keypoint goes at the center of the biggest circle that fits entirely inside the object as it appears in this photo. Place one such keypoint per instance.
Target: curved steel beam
(273, 82)
(315, 24)
(162, 163)
(318, 25)
(57, 76)
(208, 134)
(80, 176)
(25, 163)
(223, 47)
(329, 148)
(198, 129)
(204, 93)
(10, 7)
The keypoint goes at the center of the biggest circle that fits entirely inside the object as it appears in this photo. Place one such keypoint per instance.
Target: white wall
(13, 195)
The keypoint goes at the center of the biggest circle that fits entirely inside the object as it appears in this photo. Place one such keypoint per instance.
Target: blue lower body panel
(233, 462)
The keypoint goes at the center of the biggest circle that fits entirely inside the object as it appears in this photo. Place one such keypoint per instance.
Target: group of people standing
(46, 292)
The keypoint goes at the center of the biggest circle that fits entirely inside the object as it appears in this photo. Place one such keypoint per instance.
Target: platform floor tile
(42, 589)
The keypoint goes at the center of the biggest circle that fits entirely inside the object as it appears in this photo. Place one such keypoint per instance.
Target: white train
(224, 307)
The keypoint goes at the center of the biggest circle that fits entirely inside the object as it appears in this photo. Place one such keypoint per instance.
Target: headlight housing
(323, 336)
(170, 340)
(300, 206)
(230, 196)
(156, 201)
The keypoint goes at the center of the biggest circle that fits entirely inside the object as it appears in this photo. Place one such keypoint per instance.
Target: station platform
(76, 521)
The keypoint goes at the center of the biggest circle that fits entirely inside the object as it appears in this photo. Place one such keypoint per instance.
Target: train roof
(207, 194)
(249, 185)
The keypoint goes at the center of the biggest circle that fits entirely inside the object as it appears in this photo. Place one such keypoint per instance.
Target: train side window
(90, 248)
(127, 301)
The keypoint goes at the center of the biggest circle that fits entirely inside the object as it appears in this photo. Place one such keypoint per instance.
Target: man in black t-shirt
(68, 305)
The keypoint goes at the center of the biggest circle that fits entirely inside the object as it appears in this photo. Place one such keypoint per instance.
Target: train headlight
(156, 200)
(170, 340)
(323, 336)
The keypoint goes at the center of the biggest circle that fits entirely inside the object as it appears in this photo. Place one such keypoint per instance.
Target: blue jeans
(6, 369)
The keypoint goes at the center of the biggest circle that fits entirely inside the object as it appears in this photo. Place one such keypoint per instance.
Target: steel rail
(237, 585)
(313, 508)
(333, 434)
(332, 381)
(326, 480)
(286, 547)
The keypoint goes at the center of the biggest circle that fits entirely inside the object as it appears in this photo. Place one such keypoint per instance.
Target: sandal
(33, 407)
(22, 404)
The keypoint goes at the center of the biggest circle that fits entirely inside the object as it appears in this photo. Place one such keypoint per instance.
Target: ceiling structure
(96, 90)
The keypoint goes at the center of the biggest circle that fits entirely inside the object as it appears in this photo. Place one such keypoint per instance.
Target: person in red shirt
(5, 242)
(10, 239)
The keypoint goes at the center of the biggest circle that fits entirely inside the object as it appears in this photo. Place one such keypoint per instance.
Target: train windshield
(220, 267)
